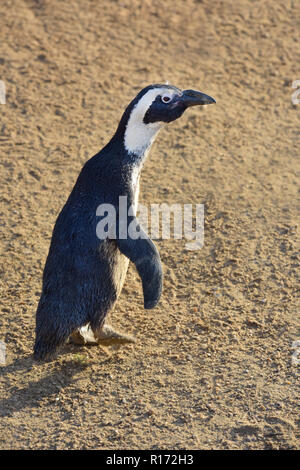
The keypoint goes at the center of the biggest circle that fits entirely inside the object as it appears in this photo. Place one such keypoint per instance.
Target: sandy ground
(212, 364)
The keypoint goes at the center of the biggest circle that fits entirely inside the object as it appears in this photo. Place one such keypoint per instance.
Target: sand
(212, 366)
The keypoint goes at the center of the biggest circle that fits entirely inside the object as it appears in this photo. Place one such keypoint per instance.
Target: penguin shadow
(35, 392)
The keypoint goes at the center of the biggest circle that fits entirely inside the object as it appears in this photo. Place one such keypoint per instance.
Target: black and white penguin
(83, 275)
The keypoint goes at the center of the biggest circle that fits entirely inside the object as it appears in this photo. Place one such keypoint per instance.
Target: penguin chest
(135, 187)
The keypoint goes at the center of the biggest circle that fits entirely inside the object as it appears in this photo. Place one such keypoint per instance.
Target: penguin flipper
(143, 253)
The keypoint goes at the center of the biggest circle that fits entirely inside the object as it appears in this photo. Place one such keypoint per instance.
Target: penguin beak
(193, 98)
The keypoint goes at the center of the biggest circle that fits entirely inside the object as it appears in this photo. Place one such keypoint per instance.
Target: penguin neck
(137, 140)
(138, 137)
(135, 136)
(139, 156)
(134, 144)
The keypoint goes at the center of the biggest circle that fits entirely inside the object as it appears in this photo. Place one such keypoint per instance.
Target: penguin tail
(44, 350)
(45, 347)
(49, 336)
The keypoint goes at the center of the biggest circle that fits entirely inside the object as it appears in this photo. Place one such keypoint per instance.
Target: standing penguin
(84, 275)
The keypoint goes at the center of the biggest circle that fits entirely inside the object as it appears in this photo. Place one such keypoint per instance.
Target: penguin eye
(166, 99)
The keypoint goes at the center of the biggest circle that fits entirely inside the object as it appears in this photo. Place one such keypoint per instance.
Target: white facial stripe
(138, 135)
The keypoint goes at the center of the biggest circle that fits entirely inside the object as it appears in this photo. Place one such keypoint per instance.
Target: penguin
(84, 274)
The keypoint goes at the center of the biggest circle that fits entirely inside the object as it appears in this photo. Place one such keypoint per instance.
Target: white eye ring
(166, 98)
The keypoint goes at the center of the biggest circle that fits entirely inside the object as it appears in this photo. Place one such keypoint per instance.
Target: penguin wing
(143, 253)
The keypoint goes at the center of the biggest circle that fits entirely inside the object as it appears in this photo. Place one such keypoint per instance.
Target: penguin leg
(105, 335)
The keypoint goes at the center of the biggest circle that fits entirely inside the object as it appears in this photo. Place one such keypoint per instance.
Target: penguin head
(152, 108)
(170, 103)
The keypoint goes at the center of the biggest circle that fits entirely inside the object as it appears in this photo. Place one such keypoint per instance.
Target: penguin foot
(107, 336)
(83, 335)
